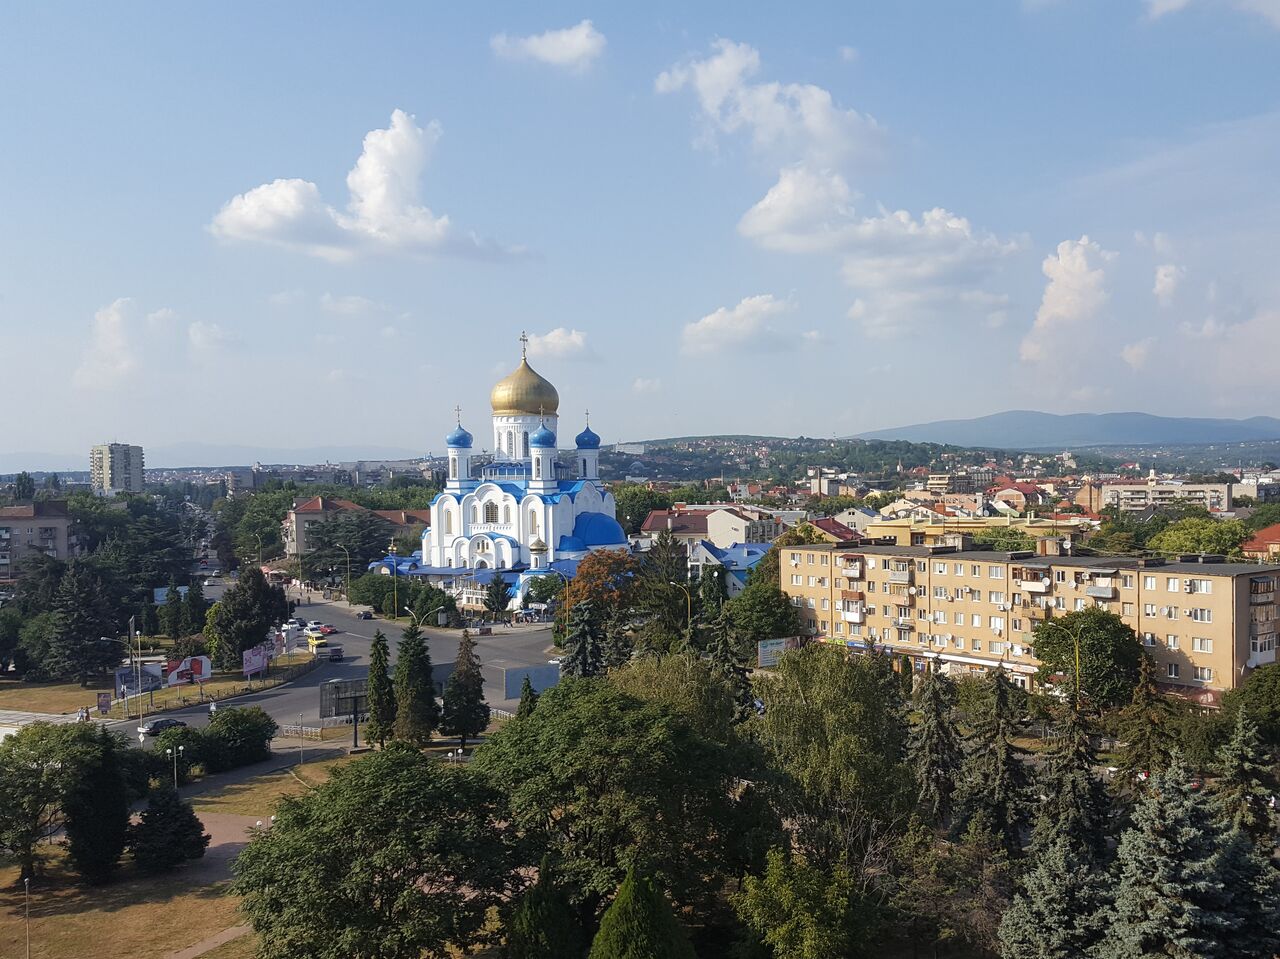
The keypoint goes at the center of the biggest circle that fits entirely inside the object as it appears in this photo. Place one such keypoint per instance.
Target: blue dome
(459, 439)
(542, 438)
(588, 440)
(599, 529)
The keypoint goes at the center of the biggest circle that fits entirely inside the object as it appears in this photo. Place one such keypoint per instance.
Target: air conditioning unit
(1187, 587)
(1002, 607)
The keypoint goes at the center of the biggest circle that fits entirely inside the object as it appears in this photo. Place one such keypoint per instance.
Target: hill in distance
(1032, 430)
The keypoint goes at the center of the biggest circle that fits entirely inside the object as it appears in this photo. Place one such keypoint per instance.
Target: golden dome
(524, 391)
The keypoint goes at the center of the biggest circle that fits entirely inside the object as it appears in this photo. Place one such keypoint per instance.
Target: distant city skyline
(329, 229)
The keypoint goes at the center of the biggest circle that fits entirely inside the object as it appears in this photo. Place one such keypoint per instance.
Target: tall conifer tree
(381, 695)
(1059, 911)
(723, 656)
(1074, 803)
(465, 713)
(934, 748)
(97, 810)
(584, 656)
(1244, 784)
(994, 780)
(640, 924)
(417, 713)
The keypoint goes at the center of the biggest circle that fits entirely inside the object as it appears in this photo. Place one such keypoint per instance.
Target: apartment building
(1206, 622)
(116, 467)
(40, 528)
(932, 529)
(721, 525)
(1140, 494)
(306, 515)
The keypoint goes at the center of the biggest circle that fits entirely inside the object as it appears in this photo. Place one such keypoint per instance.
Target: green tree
(465, 713)
(24, 487)
(242, 618)
(604, 781)
(11, 621)
(381, 697)
(79, 644)
(635, 503)
(722, 653)
(417, 713)
(1110, 655)
(167, 834)
(172, 612)
(639, 924)
(1260, 694)
(618, 646)
(768, 569)
(544, 924)
(38, 766)
(239, 736)
(934, 747)
(1248, 872)
(762, 611)
(97, 809)
(545, 589)
(364, 535)
(800, 911)
(713, 591)
(994, 781)
(1003, 539)
(195, 608)
(1169, 895)
(1147, 728)
(661, 589)
(1060, 907)
(1194, 535)
(528, 700)
(407, 855)
(1245, 783)
(496, 598)
(584, 655)
(1074, 801)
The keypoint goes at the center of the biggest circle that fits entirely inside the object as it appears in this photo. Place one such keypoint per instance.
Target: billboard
(255, 660)
(768, 651)
(104, 703)
(193, 669)
(126, 679)
(341, 697)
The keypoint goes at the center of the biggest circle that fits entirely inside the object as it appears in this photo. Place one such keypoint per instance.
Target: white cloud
(161, 318)
(573, 48)
(110, 356)
(1168, 276)
(1137, 354)
(209, 337)
(384, 210)
(560, 342)
(804, 211)
(747, 326)
(799, 121)
(644, 385)
(1268, 10)
(350, 305)
(1074, 295)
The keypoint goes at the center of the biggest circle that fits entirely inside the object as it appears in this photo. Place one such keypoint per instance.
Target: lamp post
(258, 537)
(175, 753)
(302, 743)
(395, 582)
(26, 896)
(417, 620)
(1075, 639)
(688, 597)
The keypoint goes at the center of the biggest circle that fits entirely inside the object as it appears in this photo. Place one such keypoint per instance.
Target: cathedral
(523, 509)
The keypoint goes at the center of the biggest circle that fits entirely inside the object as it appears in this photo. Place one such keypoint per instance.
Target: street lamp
(258, 537)
(1075, 639)
(175, 753)
(688, 629)
(417, 620)
(395, 582)
(26, 895)
(302, 743)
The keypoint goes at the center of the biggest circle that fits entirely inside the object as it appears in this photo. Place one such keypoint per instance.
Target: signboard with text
(255, 660)
(193, 669)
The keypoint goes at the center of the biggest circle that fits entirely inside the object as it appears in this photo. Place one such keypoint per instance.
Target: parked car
(364, 614)
(554, 662)
(154, 727)
(328, 630)
(336, 654)
(314, 624)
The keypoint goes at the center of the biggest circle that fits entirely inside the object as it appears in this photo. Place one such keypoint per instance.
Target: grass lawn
(135, 916)
(258, 796)
(243, 947)
(68, 697)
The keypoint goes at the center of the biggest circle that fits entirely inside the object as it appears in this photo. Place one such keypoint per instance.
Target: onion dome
(587, 439)
(537, 546)
(524, 392)
(542, 438)
(459, 439)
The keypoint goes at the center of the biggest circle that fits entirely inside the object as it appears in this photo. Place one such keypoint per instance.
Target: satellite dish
(911, 591)
(1044, 581)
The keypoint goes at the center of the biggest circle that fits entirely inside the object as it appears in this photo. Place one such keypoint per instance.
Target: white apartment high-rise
(116, 467)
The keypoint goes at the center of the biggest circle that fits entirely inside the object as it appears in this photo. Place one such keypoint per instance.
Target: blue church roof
(459, 439)
(542, 438)
(588, 440)
(598, 529)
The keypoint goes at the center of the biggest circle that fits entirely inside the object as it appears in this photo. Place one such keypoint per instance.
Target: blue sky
(313, 224)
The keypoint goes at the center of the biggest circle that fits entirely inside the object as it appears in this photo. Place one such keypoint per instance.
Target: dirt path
(210, 944)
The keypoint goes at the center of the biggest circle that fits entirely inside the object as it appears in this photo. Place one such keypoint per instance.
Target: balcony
(1100, 592)
(904, 576)
(1262, 629)
(853, 595)
(904, 622)
(852, 567)
(1038, 613)
(855, 615)
(1034, 586)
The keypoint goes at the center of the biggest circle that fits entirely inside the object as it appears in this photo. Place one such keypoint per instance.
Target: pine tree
(994, 780)
(1169, 895)
(1147, 729)
(1244, 785)
(97, 811)
(465, 712)
(1074, 800)
(381, 697)
(528, 700)
(934, 748)
(417, 713)
(1059, 909)
(1249, 874)
(167, 834)
(584, 656)
(906, 676)
(171, 612)
(544, 924)
(618, 645)
(640, 924)
(81, 619)
(712, 592)
(723, 656)
(496, 598)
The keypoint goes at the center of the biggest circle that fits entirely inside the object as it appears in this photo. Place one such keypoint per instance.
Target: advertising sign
(104, 703)
(126, 679)
(769, 650)
(193, 669)
(254, 660)
(342, 697)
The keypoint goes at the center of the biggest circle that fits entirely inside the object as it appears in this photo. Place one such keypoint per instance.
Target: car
(554, 662)
(336, 654)
(314, 624)
(154, 727)
(328, 630)
(364, 614)
(294, 623)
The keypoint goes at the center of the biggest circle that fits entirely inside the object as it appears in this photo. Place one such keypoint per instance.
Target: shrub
(168, 833)
(238, 736)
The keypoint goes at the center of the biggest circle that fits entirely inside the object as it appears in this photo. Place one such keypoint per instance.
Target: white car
(554, 662)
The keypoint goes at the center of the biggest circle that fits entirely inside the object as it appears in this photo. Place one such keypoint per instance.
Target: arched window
(447, 517)
(490, 512)
(482, 546)
(506, 515)
(584, 467)
(525, 447)
(475, 514)
(533, 522)
(537, 467)
(453, 467)
(511, 443)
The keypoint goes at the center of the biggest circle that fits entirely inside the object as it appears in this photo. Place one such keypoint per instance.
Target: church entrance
(481, 564)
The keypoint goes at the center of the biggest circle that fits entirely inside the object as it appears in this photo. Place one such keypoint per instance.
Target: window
(822, 581)
(537, 467)
(1148, 639)
(995, 572)
(1126, 581)
(813, 581)
(997, 649)
(453, 467)
(809, 558)
(977, 619)
(511, 443)
(796, 601)
(1201, 586)
(839, 626)
(826, 603)
(940, 617)
(996, 597)
(491, 512)
(1148, 609)
(795, 557)
(1202, 644)
(997, 622)
(1200, 615)
(871, 586)
(475, 514)
(825, 560)
(959, 619)
(871, 562)
(797, 579)
(1171, 670)
(1126, 609)
(524, 448)
(1148, 582)
(810, 603)
(904, 635)
(533, 521)
(958, 569)
(1171, 641)
(922, 566)
(940, 569)
(447, 518)
(939, 592)
(957, 642)
(1078, 605)
(506, 515)
(1172, 584)
(1059, 576)
(977, 645)
(1203, 674)
(975, 570)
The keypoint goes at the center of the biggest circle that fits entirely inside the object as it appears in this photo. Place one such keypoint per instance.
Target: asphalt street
(508, 647)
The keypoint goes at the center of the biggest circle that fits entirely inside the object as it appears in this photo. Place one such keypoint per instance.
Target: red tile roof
(833, 527)
(1262, 540)
(325, 504)
(689, 524)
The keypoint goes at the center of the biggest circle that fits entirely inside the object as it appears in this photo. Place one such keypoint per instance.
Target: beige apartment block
(1141, 494)
(1207, 623)
(40, 528)
(116, 467)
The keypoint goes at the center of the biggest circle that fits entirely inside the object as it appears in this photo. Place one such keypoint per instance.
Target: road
(510, 649)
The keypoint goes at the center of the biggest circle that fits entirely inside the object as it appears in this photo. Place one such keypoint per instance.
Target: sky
(315, 224)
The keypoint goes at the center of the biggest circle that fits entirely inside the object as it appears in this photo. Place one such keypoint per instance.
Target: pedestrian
(213, 709)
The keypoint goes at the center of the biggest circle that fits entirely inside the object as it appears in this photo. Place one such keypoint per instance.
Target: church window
(525, 454)
(506, 514)
(511, 443)
(475, 514)
(453, 467)
(482, 546)
(533, 522)
(448, 522)
(584, 467)
(537, 468)
(490, 512)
